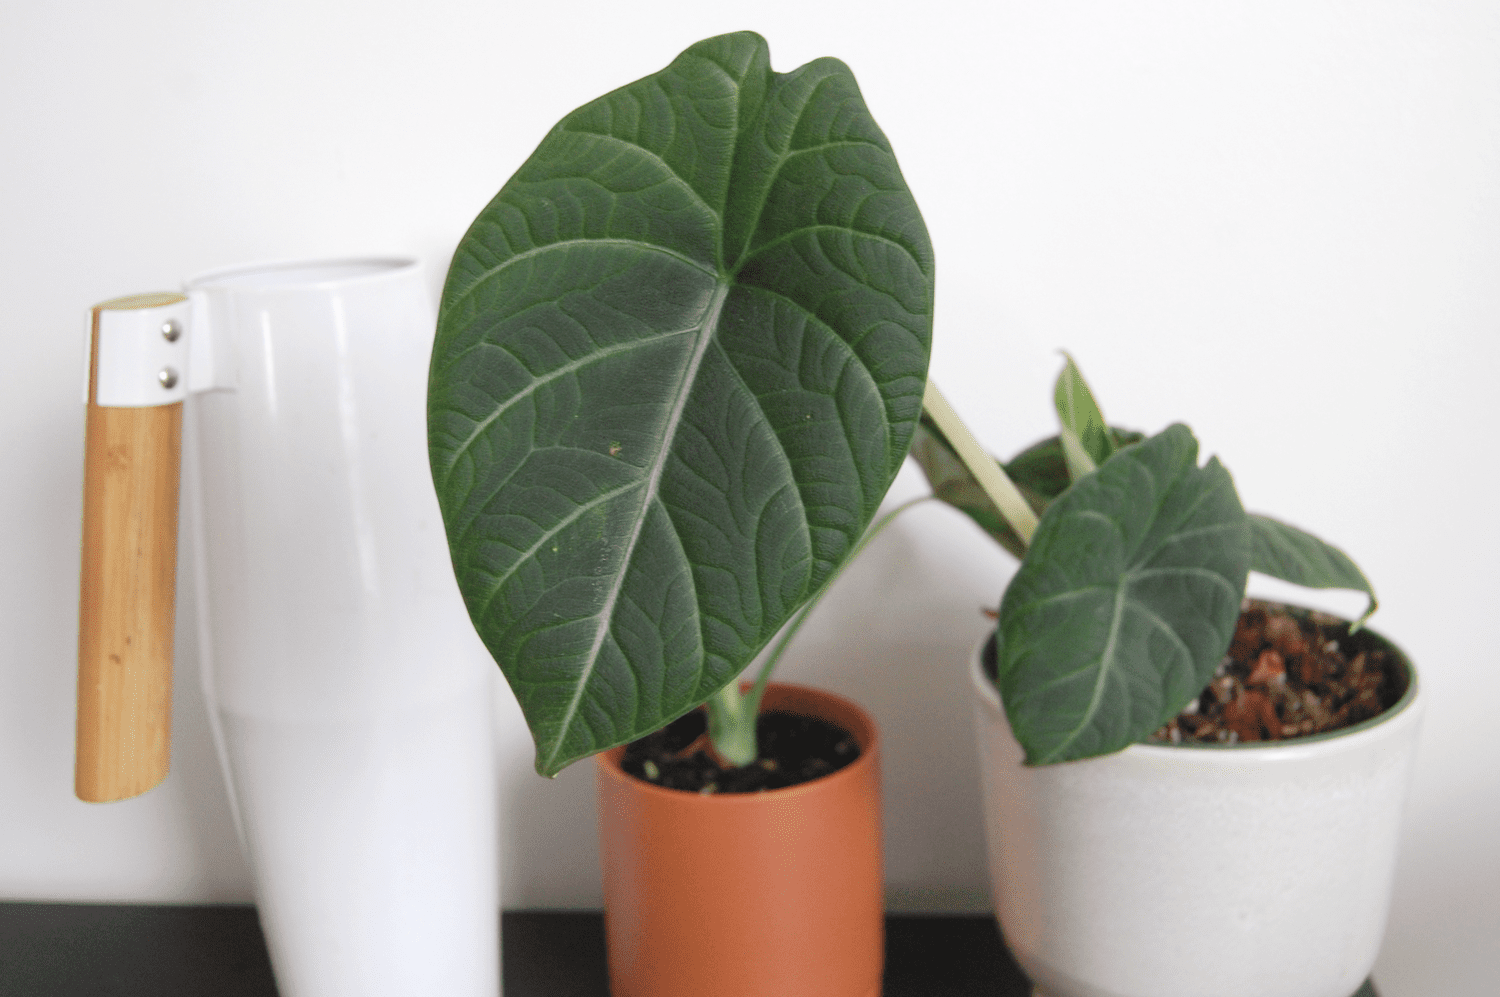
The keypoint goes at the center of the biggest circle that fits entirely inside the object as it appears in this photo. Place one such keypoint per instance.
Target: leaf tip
(1359, 624)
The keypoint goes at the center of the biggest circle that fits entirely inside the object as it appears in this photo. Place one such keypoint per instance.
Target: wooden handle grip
(127, 592)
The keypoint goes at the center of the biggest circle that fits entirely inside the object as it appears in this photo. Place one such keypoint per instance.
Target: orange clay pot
(774, 894)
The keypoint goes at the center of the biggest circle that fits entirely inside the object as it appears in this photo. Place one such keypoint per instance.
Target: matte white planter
(353, 717)
(1237, 871)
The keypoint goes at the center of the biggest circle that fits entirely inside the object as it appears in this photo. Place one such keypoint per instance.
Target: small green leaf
(1085, 439)
(679, 359)
(1282, 551)
(1125, 602)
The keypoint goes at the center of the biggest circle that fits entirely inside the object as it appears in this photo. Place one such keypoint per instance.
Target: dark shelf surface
(128, 950)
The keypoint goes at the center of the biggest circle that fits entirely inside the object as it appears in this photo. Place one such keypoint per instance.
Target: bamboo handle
(126, 594)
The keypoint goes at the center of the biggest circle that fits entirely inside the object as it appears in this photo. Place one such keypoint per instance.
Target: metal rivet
(171, 329)
(167, 377)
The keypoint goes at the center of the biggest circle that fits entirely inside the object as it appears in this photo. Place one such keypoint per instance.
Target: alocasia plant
(680, 357)
(1131, 582)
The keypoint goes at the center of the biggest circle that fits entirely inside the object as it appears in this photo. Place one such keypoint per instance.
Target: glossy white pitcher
(352, 713)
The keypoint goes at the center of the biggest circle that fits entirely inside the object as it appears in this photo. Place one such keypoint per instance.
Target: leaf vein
(1214, 576)
(568, 244)
(547, 378)
(788, 236)
(655, 157)
(554, 530)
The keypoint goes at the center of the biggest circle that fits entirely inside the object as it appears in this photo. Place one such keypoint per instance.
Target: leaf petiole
(731, 714)
(1000, 489)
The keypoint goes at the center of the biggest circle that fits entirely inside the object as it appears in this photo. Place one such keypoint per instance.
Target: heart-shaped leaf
(1126, 600)
(679, 360)
(1282, 551)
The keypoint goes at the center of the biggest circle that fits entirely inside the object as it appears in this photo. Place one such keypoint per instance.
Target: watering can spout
(137, 378)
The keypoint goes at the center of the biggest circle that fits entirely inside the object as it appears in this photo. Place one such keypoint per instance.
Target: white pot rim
(1404, 713)
(302, 275)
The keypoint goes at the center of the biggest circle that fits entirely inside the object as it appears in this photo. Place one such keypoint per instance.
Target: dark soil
(1289, 673)
(793, 749)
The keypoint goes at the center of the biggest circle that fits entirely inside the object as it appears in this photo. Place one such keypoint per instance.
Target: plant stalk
(1000, 489)
(731, 724)
(731, 715)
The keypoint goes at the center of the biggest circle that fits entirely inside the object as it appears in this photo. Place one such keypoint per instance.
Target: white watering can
(350, 702)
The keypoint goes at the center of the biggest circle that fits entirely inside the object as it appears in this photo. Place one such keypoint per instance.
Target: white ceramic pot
(353, 716)
(1237, 871)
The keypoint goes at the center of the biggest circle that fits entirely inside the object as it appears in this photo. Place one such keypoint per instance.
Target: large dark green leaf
(1126, 600)
(1282, 551)
(680, 357)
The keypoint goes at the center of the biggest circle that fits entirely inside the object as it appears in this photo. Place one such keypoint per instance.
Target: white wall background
(1277, 220)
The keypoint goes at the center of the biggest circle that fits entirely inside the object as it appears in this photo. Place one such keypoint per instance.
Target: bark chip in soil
(1289, 673)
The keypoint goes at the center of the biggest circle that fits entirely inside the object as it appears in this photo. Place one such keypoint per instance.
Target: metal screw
(167, 377)
(171, 329)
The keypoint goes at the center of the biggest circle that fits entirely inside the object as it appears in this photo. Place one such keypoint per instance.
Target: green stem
(731, 716)
(731, 725)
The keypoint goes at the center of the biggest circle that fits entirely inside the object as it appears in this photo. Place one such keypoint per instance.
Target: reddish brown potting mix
(793, 749)
(1288, 673)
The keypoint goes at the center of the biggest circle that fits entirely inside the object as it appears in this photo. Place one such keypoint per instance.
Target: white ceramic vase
(1245, 871)
(353, 716)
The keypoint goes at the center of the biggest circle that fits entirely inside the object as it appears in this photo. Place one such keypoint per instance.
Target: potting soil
(793, 749)
(1289, 673)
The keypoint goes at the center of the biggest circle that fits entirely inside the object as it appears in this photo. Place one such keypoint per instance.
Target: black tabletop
(110, 950)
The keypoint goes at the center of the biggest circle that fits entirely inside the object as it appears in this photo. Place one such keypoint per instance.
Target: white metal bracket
(153, 349)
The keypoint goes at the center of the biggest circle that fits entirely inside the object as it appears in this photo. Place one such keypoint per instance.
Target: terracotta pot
(1240, 871)
(774, 894)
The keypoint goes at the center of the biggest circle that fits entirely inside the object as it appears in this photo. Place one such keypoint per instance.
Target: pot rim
(607, 762)
(303, 274)
(1405, 711)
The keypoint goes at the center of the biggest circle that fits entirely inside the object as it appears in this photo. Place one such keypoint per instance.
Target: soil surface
(1289, 673)
(793, 749)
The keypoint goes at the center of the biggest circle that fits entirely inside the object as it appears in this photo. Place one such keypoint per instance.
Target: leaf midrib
(1099, 680)
(567, 244)
(648, 495)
